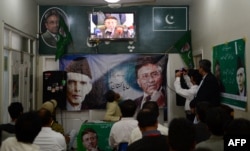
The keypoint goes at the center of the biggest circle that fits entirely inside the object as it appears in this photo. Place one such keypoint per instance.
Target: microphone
(108, 32)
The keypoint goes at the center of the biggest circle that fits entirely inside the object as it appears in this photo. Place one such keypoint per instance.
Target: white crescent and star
(169, 19)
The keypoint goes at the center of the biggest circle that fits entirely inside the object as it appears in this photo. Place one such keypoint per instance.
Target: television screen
(112, 26)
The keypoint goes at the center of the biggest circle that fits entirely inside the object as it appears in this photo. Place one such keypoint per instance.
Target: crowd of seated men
(136, 130)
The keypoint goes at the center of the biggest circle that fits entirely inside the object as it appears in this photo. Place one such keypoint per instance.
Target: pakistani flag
(65, 39)
(183, 47)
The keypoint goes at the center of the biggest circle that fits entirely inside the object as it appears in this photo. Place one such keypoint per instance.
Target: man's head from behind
(217, 118)
(111, 96)
(27, 127)
(148, 74)
(128, 108)
(195, 76)
(201, 110)
(181, 135)
(147, 120)
(89, 139)
(45, 116)
(204, 66)
(238, 127)
(15, 110)
(152, 106)
(78, 80)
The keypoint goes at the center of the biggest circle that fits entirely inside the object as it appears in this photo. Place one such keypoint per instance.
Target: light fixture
(112, 1)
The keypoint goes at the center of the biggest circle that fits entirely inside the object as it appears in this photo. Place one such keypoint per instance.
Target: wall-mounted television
(112, 26)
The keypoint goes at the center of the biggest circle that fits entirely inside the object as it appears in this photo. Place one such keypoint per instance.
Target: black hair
(15, 110)
(146, 118)
(197, 77)
(45, 116)
(181, 134)
(152, 106)
(128, 108)
(110, 96)
(27, 127)
(217, 119)
(238, 127)
(201, 110)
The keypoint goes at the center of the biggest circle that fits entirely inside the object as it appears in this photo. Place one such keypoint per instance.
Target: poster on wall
(133, 76)
(50, 31)
(98, 133)
(230, 69)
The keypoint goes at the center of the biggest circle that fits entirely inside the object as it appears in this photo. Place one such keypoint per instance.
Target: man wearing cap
(78, 83)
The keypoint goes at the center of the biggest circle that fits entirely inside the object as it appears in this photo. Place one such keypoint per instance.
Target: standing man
(208, 90)
(192, 78)
(78, 83)
(149, 78)
(50, 37)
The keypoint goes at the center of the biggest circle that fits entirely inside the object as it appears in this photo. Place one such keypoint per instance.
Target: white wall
(174, 62)
(21, 15)
(216, 22)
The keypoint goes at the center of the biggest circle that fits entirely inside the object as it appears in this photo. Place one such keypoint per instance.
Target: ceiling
(122, 2)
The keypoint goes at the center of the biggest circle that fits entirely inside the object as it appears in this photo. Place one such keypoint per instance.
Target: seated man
(121, 130)
(27, 126)
(152, 138)
(181, 136)
(136, 133)
(217, 118)
(69, 137)
(15, 110)
(48, 139)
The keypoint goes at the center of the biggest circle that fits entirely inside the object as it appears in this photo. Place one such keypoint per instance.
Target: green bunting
(65, 39)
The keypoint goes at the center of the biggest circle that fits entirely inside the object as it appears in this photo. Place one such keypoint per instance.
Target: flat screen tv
(112, 26)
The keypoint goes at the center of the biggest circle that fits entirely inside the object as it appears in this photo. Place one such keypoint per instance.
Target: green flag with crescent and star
(183, 47)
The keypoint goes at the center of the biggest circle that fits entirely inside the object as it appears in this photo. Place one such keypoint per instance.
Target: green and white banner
(230, 70)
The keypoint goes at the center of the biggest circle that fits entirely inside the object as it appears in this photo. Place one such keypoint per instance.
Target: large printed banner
(230, 70)
(133, 76)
